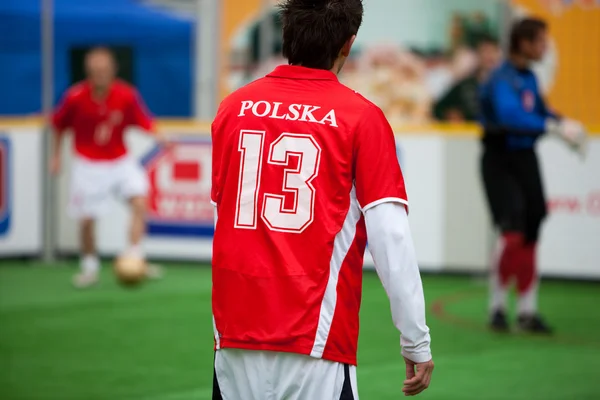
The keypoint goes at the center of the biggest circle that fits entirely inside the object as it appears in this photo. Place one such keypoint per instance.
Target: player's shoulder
(124, 88)
(76, 91)
(508, 73)
(361, 101)
(357, 103)
(499, 76)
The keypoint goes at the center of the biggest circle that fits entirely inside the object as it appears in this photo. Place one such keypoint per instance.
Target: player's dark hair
(526, 29)
(100, 49)
(314, 31)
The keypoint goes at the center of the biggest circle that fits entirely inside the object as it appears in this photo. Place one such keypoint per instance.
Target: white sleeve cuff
(385, 200)
(417, 357)
(214, 203)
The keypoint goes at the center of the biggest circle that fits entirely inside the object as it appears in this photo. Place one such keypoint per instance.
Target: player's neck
(100, 92)
(336, 68)
(519, 61)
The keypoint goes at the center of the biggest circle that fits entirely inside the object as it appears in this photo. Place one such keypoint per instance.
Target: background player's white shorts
(93, 183)
(264, 375)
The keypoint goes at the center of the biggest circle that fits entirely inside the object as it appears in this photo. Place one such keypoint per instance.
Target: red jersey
(99, 125)
(297, 159)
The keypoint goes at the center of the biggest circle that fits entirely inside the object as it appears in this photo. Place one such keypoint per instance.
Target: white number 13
(296, 181)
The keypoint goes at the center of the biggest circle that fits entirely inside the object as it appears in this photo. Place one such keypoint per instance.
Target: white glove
(572, 132)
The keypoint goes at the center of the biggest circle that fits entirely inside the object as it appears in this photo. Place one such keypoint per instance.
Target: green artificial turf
(155, 342)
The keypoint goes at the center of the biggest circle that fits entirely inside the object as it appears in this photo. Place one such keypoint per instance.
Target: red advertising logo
(589, 204)
(528, 100)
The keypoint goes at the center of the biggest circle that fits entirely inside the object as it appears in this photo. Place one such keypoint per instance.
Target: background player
(304, 169)
(98, 111)
(514, 116)
(461, 102)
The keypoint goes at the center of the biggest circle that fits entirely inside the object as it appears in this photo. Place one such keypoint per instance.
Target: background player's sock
(503, 268)
(527, 281)
(90, 264)
(135, 251)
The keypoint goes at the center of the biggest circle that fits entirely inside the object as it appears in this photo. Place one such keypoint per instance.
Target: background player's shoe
(498, 322)
(84, 280)
(534, 324)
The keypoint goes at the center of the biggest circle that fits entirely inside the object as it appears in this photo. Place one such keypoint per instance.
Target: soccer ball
(130, 271)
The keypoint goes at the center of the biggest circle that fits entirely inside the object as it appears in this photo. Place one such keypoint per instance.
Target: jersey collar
(297, 72)
(89, 90)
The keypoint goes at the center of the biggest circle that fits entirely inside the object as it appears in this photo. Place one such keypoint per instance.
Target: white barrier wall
(448, 214)
(571, 234)
(20, 191)
(444, 191)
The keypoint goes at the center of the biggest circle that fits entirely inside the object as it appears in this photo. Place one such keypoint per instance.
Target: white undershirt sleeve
(391, 246)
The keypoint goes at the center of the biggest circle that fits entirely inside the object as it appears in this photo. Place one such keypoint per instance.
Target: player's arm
(572, 132)
(546, 110)
(60, 121)
(391, 245)
(539, 98)
(142, 118)
(215, 190)
(219, 163)
(380, 191)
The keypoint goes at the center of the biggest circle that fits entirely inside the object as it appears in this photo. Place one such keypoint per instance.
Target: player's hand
(55, 165)
(572, 132)
(418, 377)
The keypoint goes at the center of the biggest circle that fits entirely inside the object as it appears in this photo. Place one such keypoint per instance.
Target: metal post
(47, 67)
(207, 58)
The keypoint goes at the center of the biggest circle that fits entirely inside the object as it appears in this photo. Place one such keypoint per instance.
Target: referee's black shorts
(514, 190)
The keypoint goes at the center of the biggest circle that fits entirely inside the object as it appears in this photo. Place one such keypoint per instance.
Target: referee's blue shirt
(513, 112)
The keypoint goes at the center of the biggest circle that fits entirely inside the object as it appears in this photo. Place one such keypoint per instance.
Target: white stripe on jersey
(217, 336)
(341, 246)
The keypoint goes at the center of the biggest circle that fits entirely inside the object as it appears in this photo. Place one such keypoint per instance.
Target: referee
(514, 116)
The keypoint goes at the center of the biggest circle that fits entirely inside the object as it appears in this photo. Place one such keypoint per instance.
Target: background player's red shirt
(297, 158)
(98, 125)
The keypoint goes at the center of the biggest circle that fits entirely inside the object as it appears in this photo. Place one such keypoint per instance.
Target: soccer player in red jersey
(304, 171)
(98, 111)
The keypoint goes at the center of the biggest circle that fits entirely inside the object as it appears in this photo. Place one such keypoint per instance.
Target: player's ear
(348, 46)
